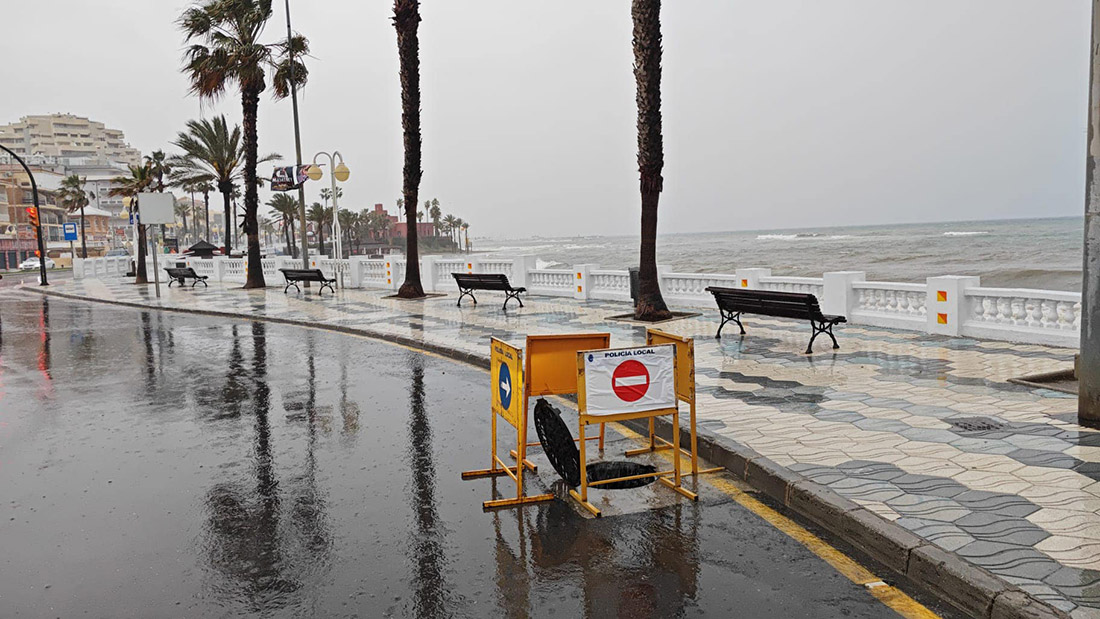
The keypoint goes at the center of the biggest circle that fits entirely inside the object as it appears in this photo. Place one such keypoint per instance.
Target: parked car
(118, 251)
(32, 263)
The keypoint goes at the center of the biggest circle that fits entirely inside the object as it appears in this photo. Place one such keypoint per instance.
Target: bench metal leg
(818, 329)
(508, 296)
(172, 281)
(289, 284)
(330, 288)
(728, 317)
(469, 293)
(204, 284)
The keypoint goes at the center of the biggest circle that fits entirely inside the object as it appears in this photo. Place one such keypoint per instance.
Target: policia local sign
(630, 380)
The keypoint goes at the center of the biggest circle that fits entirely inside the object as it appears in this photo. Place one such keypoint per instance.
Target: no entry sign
(630, 380)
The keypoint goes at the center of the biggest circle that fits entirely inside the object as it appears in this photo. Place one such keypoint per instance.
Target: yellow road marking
(892, 597)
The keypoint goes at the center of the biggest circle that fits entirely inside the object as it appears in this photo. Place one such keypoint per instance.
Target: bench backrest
(483, 281)
(767, 302)
(181, 272)
(314, 274)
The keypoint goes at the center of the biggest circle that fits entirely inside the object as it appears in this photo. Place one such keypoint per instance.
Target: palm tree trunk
(227, 199)
(83, 237)
(206, 203)
(406, 20)
(250, 102)
(287, 226)
(647, 72)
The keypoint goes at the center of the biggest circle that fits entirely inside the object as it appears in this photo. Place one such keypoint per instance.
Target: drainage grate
(976, 424)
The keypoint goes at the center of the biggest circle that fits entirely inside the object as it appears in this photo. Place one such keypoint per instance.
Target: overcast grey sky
(777, 113)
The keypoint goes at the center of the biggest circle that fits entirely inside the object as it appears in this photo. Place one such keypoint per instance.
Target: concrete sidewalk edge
(946, 575)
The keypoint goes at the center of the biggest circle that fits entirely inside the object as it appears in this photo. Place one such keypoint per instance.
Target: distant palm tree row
(226, 52)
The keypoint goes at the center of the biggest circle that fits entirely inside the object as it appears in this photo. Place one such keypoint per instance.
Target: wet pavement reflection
(156, 464)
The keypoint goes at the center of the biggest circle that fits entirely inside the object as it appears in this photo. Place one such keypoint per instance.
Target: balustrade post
(946, 303)
(356, 271)
(838, 296)
(219, 268)
(750, 278)
(580, 272)
(521, 268)
(429, 272)
(78, 268)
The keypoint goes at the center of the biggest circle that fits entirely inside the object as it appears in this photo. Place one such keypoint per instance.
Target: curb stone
(946, 575)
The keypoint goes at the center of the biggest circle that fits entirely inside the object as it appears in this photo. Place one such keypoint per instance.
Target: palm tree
(213, 154)
(449, 226)
(458, 232)
(435, 213)
(73, 198)
(230, 52)
(326, 194)
(321, 216)
(181, 212)
(347, 226)
(287, 208)
(466, 231)
(400, 208)
(406, 20)
(651, 159)
(140, 179)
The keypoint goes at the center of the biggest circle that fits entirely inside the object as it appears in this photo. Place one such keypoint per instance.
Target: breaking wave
(966, 233)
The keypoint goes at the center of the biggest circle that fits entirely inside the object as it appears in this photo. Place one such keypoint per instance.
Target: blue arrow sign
(505, 386)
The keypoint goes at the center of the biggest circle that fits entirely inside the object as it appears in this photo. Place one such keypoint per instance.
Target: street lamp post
(38, 215)
(339, 172)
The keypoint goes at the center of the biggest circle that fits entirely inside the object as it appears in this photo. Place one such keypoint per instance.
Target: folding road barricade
(623, 384)
(507, 372)
(685, 392)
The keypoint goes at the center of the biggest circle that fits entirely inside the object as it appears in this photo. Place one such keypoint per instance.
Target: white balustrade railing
(805, 285)
(609, 285)
(497, 266)
(954, 306)
(233, 270)
(551, 282)
(889, 304)
(203, 267)
(1038, 316)
(691, 288)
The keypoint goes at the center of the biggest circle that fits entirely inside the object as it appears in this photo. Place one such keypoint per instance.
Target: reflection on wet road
(154, 464)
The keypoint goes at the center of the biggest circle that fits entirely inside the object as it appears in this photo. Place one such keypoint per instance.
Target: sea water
(1019, 253)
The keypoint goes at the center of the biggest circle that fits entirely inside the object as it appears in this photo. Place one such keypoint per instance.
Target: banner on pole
(286, 178)
(630, 380)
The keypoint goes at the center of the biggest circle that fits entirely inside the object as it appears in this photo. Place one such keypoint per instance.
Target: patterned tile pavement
(923, 430)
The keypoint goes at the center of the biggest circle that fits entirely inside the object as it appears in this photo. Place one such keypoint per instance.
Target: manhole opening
(976, 424)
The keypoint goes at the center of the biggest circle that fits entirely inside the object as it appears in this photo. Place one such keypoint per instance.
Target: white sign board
(157, 208)
(630, 380)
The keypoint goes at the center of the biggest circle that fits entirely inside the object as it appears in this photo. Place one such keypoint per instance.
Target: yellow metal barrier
(550, 369)
(685, 392)
(506, 373)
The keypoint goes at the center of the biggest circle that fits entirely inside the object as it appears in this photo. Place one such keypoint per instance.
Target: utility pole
(38, 217)
(297, 142)
(1088, 366)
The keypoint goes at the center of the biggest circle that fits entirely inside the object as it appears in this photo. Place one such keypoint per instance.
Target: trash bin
(634, 285)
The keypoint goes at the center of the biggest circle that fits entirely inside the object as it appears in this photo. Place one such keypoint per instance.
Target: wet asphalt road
(162, 465)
